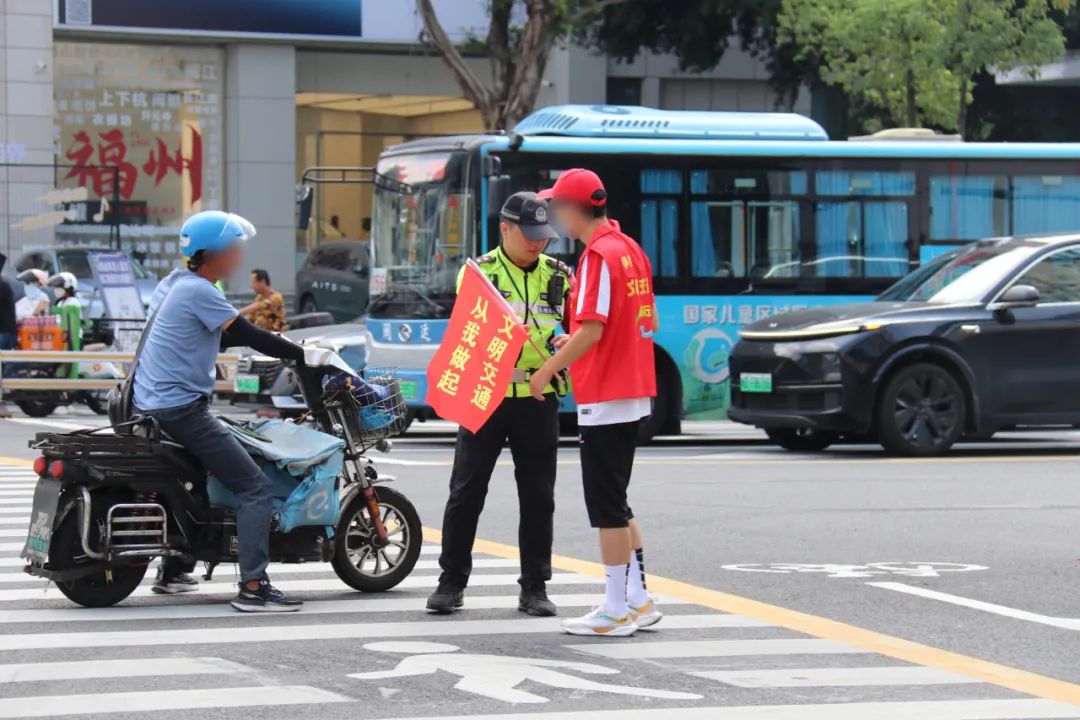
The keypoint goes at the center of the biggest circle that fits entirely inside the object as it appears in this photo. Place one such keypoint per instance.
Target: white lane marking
(1058, 622)
(136, 667)
(5, 546)
(830, 570)
(1022, 709)
(835, 677)
(155, 700)
(191, 611)
(497, 677)
(6, 492)
(15, 513)
(316, 585)
(713, 648)
(5, 532)
(330, 631)
(50, 423)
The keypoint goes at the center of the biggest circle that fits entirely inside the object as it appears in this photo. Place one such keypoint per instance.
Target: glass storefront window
(153, 112)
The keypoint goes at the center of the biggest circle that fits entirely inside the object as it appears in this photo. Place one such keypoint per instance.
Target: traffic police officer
(536, 287)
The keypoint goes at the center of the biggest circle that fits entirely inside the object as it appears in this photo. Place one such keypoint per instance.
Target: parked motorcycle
(106, 505)
(42, 403)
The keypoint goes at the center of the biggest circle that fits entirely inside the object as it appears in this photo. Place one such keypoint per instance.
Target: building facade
(134, 120)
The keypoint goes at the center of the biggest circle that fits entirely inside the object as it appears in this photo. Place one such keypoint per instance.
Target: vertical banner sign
(120, 296)
(141, 124)
(471, 370)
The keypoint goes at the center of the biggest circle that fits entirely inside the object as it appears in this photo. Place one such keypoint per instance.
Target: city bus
(744, 215)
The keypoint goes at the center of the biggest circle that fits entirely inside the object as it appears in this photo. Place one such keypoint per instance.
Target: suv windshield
(77, 262)
(962, 276)
(420, 239)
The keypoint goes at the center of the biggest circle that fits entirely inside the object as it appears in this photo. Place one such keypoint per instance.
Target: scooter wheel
(97, 589)
(358, 561)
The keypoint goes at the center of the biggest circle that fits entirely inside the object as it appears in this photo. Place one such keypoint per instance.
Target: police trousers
(532, 429)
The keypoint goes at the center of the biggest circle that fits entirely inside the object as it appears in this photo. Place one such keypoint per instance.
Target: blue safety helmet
(213, 230)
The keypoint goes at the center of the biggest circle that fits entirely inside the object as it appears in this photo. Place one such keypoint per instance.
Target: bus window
(738, 239)
(967, 207)
(743, 225)
(860, 236)
(1045, 203)
(660, 191)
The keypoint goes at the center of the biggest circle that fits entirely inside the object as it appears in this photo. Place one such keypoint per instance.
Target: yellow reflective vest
(528, 293)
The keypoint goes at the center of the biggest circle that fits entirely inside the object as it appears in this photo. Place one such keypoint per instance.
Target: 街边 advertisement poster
(153, 112)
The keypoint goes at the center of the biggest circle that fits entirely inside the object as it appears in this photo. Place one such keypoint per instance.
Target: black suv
(335, 279)
(978, 340)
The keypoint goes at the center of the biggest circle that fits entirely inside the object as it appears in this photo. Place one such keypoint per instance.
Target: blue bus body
(744, 215)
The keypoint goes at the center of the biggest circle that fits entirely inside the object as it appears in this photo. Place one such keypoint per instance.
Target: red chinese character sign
(468, 377)
(143, 122)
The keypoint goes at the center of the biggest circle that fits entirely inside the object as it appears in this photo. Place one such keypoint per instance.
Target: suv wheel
(921, 411)
(801, 439)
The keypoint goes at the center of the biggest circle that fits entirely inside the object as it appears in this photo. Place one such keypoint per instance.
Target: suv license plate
(755, 382)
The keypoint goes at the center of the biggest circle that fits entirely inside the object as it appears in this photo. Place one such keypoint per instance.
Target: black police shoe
(535, 602)
(446, 599)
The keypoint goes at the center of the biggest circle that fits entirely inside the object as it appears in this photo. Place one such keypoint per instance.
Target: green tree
(698, 33)
(918, 60)
(517, 52)
(999, 35)
(886, 53)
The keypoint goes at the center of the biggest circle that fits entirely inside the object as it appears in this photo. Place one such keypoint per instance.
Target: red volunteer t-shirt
(614, 286)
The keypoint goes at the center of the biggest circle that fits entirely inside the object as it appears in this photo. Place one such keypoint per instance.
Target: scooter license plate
(42, 520)
(247, 384)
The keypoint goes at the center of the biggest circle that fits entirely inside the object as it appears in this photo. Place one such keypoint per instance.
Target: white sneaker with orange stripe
(600, 623)
(646, 614)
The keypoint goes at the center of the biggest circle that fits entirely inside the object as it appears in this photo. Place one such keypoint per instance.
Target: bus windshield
(421, 238)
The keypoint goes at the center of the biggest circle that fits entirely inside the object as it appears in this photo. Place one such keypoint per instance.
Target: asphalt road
(843, 584)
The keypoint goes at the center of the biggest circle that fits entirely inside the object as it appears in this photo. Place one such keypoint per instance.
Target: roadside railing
(227, 364)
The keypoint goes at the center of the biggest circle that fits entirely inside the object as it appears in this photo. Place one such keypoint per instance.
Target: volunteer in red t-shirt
(610, 356)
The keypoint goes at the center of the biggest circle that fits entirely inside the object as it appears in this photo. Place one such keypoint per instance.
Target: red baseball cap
(577, 185)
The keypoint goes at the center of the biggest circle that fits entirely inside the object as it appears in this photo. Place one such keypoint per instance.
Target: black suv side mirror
(360, 269)
(1018, 296)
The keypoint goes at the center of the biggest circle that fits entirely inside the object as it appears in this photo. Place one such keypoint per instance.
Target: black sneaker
(173, 583)
(446, 599)
(266, 599)
(535, 602)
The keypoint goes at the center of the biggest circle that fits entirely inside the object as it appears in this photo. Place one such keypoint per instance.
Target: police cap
(529, 213)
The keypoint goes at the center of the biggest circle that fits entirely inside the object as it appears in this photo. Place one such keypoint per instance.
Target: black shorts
(607, 459)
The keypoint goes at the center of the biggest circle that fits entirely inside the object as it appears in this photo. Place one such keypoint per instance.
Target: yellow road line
(913, 652)
(16, 461)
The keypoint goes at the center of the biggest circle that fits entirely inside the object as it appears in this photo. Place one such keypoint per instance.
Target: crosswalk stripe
(317, 567)
(1022, 709)
(21, 512)
(835, 677)
(97, 668)
(716, 648)
(192, 611)
(155, 700)
(17, 546)
(323, 585)
(6, 532)
(331, 631)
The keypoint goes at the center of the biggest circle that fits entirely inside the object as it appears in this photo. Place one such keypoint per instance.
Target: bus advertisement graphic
(699, 333)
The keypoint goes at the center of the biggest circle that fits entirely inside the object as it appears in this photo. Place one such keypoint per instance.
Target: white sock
(615, 590)
(636, 593)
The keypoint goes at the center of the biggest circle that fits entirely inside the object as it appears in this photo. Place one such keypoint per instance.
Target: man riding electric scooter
(190, 321)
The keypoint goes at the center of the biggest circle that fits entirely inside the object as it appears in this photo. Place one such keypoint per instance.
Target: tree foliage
(519, 40)
(918, 60)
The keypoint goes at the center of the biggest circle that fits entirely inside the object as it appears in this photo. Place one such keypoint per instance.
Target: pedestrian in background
(610, 356)
(268, 310)
(9, 329)
(536, 286)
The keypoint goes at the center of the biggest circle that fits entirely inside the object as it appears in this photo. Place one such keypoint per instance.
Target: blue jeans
(224, 457)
